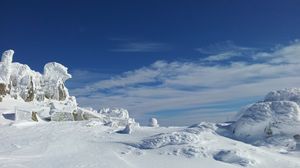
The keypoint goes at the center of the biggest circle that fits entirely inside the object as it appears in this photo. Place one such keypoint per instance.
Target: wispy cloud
(169, 86)
(282, 54)
(222, 56)
(126, 45)
(223, 51)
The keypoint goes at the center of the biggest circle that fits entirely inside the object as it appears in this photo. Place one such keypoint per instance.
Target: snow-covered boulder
(88, 114)
(277, 115)
(115, 112)
(117, 117)
(153, 122)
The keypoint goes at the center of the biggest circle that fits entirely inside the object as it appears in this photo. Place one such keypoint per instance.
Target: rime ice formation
(115, 112)
(278, 115)
(28, 95)
(55, 75)
(116, 116)
(19, 81)
(5, 66)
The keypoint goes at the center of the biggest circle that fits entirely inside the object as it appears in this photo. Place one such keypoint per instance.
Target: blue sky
(180, 61)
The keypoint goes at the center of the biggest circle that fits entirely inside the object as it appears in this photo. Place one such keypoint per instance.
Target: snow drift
(190, 135)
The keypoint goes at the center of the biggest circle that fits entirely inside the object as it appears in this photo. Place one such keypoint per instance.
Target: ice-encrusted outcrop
(115, 112)
(19, 81)
(277, 115)
(34, 96)
(116, 116)
(55, 76)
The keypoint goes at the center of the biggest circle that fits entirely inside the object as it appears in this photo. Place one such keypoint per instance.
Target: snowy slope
(82, 144)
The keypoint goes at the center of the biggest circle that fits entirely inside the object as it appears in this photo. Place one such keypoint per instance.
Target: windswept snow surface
(86, 145)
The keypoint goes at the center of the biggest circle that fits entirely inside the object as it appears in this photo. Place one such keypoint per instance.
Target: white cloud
(223, 51)
(183, 85)
(222, 56)
(283, 54)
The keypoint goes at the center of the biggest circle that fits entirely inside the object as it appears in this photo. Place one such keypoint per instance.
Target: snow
(277, 116)
(77, 144)
(115, 112)
(41, 125)
(54, 71)
(24, 91)
(174, 138)
(153, 122)
(127, 130)
(232, 157)
(7, 56)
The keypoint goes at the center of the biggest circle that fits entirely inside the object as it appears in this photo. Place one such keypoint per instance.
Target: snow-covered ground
(86, 144)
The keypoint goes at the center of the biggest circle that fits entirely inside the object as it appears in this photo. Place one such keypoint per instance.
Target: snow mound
(153, 122)
(174, 138)
(127, 130)
(232, 157)
(277, 115)
(188, 136)
(191, 151)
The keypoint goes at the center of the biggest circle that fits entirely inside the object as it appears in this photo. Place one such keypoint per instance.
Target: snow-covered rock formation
(117, 116)
(19, 81)
(44, 96)
(278, 115)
